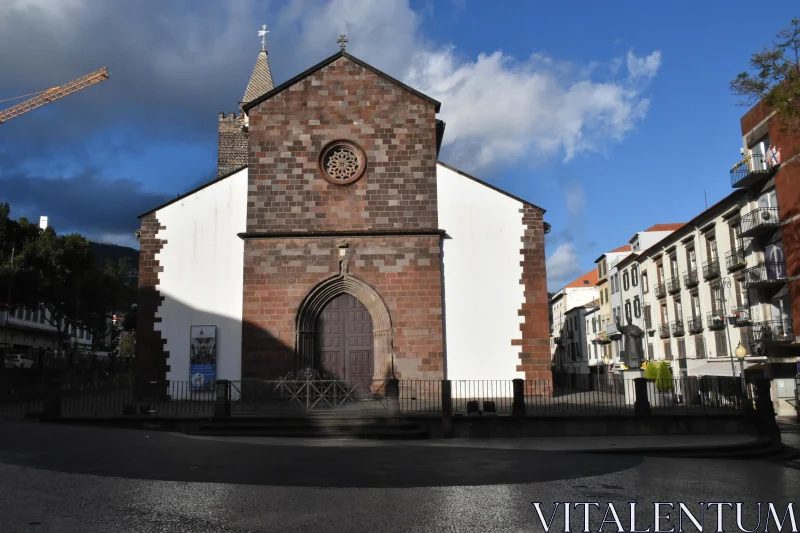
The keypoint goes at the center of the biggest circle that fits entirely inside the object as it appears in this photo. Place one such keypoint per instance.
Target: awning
(717, 368)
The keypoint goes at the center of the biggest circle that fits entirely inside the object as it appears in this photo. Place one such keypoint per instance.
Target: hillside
(113, 252)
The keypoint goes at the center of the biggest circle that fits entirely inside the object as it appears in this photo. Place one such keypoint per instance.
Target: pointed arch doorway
(343, 341)
(318, 311)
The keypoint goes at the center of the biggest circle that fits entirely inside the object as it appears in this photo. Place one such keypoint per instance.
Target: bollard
(447, 408)
(222, 406)
(52, 402)
(393, 393)
(642, 404)
(518, 405)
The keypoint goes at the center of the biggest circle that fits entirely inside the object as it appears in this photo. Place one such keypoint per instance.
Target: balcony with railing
(695, 324)
(690, 278)
(765, 275)
(674, 285)
(750, 171)
(715, 321)
(778, 331)
(660, 290)
(743, 316)
(612, 332)
(759, 221)
(677, 328)
(735, 259)
(663, 331)
(711, 269)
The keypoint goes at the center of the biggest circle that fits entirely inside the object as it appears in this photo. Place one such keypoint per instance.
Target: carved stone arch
(313, 305)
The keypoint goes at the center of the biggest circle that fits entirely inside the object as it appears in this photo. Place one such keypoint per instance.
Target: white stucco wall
(202, 276)
(482, 272)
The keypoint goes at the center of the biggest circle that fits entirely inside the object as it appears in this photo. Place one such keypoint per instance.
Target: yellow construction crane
(45, 97)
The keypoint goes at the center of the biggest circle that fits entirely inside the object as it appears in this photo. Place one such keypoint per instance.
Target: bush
(650, 371)
(664, 380)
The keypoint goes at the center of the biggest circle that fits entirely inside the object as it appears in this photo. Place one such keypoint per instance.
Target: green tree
(127, 347)
(651, 370)
(776, 77)
(664, 379)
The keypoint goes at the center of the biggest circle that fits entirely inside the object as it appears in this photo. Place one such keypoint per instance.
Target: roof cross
(263, 34)
(342, 40)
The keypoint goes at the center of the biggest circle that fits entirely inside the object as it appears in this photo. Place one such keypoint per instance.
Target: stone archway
(318, 298)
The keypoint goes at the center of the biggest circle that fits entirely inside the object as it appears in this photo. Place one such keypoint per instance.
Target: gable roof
(665, 227)
(324, 63)
(621, 249)
(490, 186)
(587, 280)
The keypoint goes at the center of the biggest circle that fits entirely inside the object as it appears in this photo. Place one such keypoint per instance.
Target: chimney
(42, 222)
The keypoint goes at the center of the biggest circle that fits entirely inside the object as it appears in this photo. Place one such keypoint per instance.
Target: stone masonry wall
(233, 145)
(151, 358)
(396, 129)
(535, 338)
(404, 270)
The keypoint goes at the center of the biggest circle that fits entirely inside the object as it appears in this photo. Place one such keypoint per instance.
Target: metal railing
(660, 290)
(423, 396)
(663, 331)
(706, 393)
(764, 274)
(743, 316)
(735, 259)
(711, 269)
(760, 220)
(690, 278)
(695, 324)
(674, 285)
(772, 331)
(482, 397)
(574, 393)
(750, 170)
(677, 328)
(715, 320)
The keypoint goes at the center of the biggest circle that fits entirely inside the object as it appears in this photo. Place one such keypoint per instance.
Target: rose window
(342, 162)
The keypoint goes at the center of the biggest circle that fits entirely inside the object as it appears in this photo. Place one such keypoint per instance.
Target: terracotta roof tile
(666, 227)
(626, 248)
(587, 280)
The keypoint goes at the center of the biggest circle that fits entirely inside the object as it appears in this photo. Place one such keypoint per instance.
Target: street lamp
(741, 353)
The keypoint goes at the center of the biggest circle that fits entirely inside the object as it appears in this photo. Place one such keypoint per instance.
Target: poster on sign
(203, 357)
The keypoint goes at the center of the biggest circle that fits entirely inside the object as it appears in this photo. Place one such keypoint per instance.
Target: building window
(711, 248)
(628, 310)
(594, 325)
(637, 307)
(606, 295)
(645, 285)
(626, 282)
(602, 296)
(681, 349)
(691, 259)
(716, 299)
(635, 275)
(648, 319)
(614, 313)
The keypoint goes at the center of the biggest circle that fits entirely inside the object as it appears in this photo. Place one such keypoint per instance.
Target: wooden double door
(344, 342)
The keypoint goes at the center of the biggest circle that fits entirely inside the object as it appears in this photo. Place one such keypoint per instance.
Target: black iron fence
(564, 394)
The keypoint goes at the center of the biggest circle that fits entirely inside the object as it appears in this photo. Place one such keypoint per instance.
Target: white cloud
(497, 109)
(643, 67)
(575, 198)
(562, 266)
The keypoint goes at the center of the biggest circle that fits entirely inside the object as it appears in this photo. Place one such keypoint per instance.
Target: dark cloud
(96, 207)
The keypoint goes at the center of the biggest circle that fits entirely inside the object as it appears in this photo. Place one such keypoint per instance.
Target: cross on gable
(342, 40)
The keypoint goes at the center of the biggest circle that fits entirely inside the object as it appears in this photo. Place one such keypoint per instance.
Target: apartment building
(29, 332)
(575, 353)
(606, 271)
(578, 292)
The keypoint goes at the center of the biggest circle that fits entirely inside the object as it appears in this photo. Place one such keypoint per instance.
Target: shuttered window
(699, 347)
(681, 349)
(722, 347)
(650, 350)
(668, 350)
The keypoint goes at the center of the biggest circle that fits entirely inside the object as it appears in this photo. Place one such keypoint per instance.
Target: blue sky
(611, 119)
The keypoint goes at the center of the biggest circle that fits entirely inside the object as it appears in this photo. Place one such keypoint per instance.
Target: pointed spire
(261, 79)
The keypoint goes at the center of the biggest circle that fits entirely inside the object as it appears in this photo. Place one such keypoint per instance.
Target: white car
(18, 361)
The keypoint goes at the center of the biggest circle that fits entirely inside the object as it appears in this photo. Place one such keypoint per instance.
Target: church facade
(334, 239)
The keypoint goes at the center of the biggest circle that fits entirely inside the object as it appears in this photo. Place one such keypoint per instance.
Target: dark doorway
(344, 341)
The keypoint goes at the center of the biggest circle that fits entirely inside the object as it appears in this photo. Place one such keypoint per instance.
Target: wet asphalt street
(72, 479)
